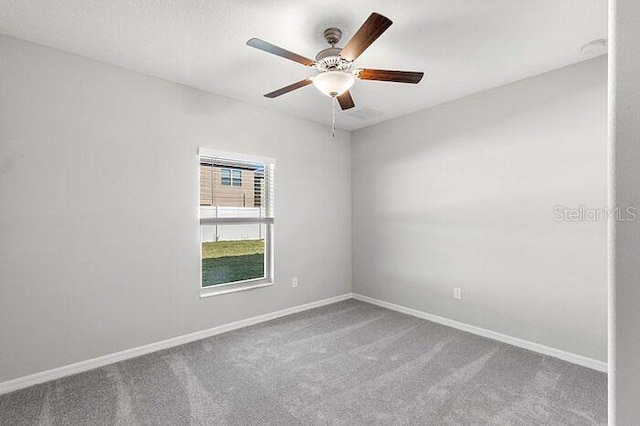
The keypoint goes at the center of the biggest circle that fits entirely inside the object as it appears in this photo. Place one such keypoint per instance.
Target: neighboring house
(230, 185)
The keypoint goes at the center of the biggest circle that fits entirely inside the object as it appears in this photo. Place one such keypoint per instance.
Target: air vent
(364, 113)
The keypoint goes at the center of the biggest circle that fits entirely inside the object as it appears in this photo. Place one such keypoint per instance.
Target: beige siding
(205, 186)
(213, 193)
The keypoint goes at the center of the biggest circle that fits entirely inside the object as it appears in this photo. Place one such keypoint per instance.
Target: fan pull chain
(333, 116)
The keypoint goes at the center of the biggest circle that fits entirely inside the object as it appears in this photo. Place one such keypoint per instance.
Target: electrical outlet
(457, 293)
(294, 282)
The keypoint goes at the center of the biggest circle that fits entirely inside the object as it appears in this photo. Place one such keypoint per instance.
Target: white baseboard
(90, 364)
(514, 341)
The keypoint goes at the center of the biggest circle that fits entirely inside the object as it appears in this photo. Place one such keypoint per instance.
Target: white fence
(209, 233)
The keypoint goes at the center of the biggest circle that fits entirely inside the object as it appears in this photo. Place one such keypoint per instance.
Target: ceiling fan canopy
(335, 76)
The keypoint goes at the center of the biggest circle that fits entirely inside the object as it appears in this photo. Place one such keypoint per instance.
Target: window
(236, 222)
(231, 177)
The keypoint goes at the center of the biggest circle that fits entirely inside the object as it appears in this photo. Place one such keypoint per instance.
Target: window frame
(267, 280)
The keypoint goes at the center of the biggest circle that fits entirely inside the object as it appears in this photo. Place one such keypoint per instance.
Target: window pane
(224, 186)
(232, 253)
(225, 177)
(237, 178)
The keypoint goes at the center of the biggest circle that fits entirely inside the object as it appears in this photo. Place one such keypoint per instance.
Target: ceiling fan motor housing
(330, 60)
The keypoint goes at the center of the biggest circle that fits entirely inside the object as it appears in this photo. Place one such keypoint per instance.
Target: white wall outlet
(457, 293)
(294, 282)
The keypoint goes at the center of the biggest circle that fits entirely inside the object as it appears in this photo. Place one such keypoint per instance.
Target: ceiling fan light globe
(333, 83)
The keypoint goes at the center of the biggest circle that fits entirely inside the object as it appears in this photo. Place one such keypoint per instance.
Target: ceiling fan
(335, 76)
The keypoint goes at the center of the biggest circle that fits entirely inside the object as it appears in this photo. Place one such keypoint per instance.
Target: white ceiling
(463, 46)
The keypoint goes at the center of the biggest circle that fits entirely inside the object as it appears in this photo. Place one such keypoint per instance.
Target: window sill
(232, 288)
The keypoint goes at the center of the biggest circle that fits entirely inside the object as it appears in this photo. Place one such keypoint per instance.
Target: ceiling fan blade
(288, 88)
(391, 75)
(346, 101)
(279, 51)
(372, 28)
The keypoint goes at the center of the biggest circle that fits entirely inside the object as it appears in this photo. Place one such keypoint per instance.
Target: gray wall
(624, 374)
(462, 195)
(99, 235)
(99, 208)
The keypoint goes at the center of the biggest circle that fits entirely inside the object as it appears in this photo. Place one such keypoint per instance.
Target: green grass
(228, 261)
(232, 248)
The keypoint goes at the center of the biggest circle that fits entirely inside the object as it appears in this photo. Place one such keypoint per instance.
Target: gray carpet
(347, 363)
